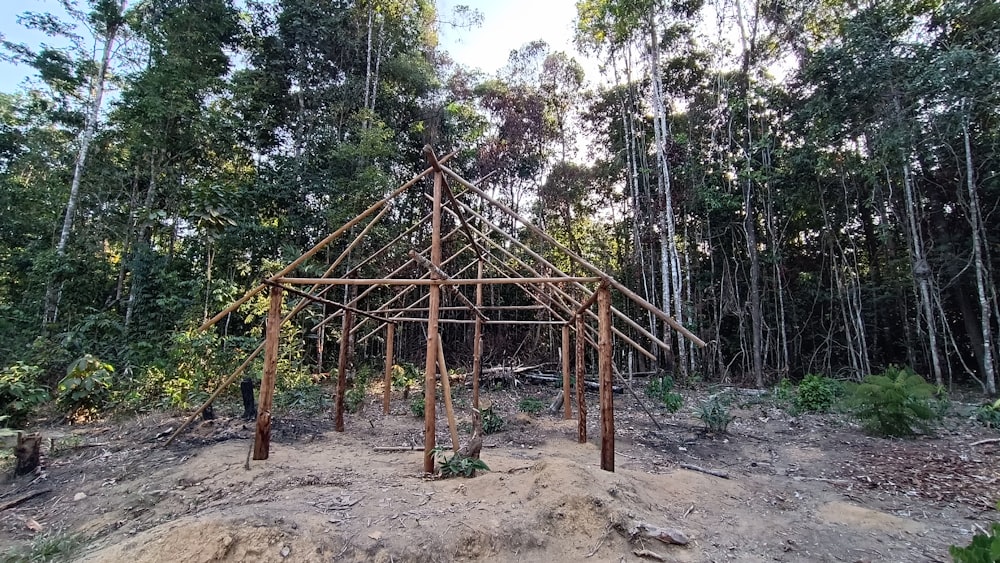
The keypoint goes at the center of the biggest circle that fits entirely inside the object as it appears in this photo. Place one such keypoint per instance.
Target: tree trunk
(53, 289)
(985, 316)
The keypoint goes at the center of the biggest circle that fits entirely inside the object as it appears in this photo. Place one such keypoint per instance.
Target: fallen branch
(648, 554)
(986, 441)
(22, 500)
(714, 472)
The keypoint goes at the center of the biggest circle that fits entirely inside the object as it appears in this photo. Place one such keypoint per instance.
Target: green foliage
(20, 393)
(492, 422)
(298, 390)
(354, 398)
(784, 391)
(457, 465)
(44, 548)
(405, 376)
(87, 384)
(816, 393)
(896, 403)
(714, 413)
(989, 415)
(417, 407)
(661, 389)
(984, 548)
(530, 405)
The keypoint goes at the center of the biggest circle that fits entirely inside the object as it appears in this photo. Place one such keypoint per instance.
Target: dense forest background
(808, 184)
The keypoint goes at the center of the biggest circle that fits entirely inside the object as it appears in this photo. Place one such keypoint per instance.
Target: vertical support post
(446, 390)
(581, 358)
(567, 408)
(430, 384)
(604, 370)
(345, 340)
(477, 342)
(272, 332)
(321, 344)
(390, 339)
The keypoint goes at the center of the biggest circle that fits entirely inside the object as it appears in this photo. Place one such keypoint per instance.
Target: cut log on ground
(384, 449)
(671, 536)
(541, 378)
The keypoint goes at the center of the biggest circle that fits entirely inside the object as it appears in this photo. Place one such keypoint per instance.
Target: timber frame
(566, 298)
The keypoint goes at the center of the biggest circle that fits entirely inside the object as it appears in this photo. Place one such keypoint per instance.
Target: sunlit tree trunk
(97, 85)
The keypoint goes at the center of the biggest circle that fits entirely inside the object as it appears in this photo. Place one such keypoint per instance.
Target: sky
(507, 25)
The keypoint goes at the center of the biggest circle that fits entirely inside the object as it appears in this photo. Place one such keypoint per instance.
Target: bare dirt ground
(799, 488)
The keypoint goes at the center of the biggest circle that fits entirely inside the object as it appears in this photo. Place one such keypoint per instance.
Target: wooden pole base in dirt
(581, 403)
(567, 407)
(262, 436)
(390, 337)
(345, 340)
(604, 365)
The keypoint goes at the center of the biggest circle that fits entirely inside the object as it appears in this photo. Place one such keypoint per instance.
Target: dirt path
(799, 489)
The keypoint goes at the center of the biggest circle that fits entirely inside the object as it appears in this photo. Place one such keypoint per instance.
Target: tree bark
(52, 292)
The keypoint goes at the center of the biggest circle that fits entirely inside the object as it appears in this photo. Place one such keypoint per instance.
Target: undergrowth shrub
(530, 405)
(989, 415)
(897, 402)
(45, 547)
(417, 407)
(714, 413)
(661, 389)
(405, 376)
(492, 422)
(354, 398)
(816, 393)
(20, 393)
(457, 465)
(87, 384)
(984, 548)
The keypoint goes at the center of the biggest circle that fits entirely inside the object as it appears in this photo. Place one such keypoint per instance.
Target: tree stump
(28, 452)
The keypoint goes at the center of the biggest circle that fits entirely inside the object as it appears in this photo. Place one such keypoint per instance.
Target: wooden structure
(553, 291)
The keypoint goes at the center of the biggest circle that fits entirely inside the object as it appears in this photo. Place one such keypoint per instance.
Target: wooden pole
(606, 375)
(432, 282)
(262, 436)
(567, 408)
(345, 339)
(581, 358)
(541, 260)
(390, 337)
(321, 244)
(443, 275)
(446, 391)
(430, 385)
(477, 341)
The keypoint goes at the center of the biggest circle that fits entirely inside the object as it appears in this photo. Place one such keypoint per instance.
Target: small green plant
(354, 398)
(44, 548)
(530, 405)
(989, 415)
(87, 384)
(816, 393)
(662, 389)
(417, 407)
(984, 548)
(405, 376)
(457, 465)
(784, 391)
(20, 393)
(492, 422)
(896, 403)
(714, 413)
